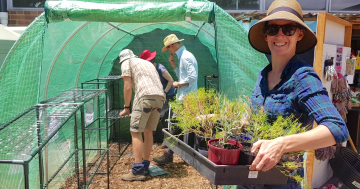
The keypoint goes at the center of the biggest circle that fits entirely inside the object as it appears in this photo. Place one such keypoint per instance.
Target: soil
(226, 145)
(181, 175)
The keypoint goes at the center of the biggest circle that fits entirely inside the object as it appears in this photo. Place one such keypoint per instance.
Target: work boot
(138, 171)
(164, 159)
(133, 177)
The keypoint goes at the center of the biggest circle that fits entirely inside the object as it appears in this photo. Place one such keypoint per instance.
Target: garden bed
(180, 174)
(222, 174)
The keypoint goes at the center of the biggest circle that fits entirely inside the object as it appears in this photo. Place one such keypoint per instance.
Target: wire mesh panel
(110, 77)
(74, 96)
(112, 85)
(11, 176)
(109, 118)
(40, 130)
(44, 141)
(23, 136)
(212, 82)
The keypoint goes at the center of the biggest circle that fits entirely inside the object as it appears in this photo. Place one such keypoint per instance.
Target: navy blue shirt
(161, 69)
(301, 93)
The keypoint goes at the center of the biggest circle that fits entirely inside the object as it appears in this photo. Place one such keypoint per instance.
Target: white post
(4, 18)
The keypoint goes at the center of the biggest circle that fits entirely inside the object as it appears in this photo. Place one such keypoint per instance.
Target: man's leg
(137, 126)
(138, 171)
(137, 144)
(147, 147)
(156, 103)
(148, 143)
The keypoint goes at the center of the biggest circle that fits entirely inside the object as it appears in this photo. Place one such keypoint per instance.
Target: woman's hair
(265, 27)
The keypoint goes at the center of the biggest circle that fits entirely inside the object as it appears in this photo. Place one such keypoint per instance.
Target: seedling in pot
(263, 129)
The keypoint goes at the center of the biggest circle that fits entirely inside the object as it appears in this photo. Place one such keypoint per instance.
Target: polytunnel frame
(137, 29)
(99, 39)
(82, 24)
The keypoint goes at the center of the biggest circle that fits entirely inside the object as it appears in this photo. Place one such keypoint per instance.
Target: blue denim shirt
(301, 93)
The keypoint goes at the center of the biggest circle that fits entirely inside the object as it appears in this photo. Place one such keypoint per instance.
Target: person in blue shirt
(187, 72)
(288, 86)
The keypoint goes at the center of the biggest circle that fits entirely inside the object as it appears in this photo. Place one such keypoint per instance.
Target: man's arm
(127, 91)
(177, 84)
(127, 95)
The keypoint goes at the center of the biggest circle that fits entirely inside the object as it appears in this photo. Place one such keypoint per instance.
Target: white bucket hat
(126, 54)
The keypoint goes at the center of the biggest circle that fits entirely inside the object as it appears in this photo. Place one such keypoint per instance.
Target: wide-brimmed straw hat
(170, 39)
(126, 54)
(282, 10)
(147, 55)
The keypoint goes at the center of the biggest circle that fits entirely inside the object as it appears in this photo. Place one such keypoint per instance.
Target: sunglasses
(287, 30)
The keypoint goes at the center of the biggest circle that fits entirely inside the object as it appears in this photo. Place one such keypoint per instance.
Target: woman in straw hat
(288, 86)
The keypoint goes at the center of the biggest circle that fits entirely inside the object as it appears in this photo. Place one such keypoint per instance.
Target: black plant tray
(222, 174)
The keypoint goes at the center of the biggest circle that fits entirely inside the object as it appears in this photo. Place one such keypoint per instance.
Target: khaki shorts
(146, 113)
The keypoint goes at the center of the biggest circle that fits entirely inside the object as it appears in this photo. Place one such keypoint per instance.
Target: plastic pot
(201, 143)
(239, 138)
(176, 131)
(346, 166)
(245, 158)
(222, 156)
(204, 152)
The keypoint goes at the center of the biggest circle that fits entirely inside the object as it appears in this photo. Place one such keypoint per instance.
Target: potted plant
(262, 129)
(223, 150)
(208, 113)
(196, 114)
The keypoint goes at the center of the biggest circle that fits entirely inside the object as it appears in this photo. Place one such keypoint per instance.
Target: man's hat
(147, 55)
(282, 10)
(126, 54)
(170, 39)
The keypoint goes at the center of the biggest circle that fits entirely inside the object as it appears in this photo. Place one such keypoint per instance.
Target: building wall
(22, 18)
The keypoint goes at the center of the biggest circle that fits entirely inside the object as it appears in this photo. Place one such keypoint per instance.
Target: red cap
(147, 55)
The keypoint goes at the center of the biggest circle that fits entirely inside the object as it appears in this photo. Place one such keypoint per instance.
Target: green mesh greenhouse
(77, 41)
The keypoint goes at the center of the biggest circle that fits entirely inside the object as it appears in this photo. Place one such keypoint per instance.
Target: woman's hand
(270, 152)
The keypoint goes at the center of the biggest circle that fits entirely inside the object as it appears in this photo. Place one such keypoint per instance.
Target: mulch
(180, 174)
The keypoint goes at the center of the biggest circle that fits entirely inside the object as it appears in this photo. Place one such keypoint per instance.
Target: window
(28, 4)
(306, 5)
(238, 4)
(345, 5)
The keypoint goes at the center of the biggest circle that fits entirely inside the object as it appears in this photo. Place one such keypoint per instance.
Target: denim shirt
(187, 72)
(301, 93)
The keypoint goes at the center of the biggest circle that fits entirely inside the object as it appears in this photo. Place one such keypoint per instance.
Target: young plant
(232, 116)
(263, 129)
(197, 112)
